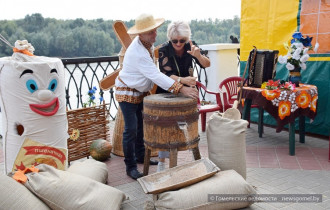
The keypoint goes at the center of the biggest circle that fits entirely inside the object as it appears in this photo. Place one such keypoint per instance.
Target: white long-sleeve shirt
(139, 74)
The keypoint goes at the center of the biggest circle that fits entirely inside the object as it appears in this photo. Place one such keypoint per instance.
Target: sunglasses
(174, 41)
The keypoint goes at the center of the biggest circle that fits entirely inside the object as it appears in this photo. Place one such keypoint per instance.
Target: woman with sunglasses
(175, 60)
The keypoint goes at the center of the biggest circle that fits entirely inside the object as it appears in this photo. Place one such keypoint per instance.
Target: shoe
(134, 174)
(160, 166)
(152, 162)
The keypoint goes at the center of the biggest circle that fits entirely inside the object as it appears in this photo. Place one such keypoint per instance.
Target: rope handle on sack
(4, 40)
(243, 77)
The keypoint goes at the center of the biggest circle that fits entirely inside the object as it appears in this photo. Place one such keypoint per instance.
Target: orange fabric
(20, 176)
(284, 108)
(305, 97)
(26, 52)
(286, 105)
(314, 103)
(271, 94)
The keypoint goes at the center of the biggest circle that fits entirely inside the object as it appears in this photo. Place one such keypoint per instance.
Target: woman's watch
(179, 80)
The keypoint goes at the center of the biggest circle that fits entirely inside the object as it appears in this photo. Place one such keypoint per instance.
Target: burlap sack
(65, 190)
(196, 196)
(90, 168)
(15, 196)
(226, 143)
(33, 153)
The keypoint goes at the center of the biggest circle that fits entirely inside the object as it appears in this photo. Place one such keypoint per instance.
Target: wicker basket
(117, 138)
(92, 123)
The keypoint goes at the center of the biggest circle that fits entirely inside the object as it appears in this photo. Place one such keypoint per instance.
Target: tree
(199, 37)
(79, 22)
(34, 22)
(9, 27)
(40, 41)
(79, 37)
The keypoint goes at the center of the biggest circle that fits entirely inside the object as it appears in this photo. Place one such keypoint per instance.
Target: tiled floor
(270, 168)
(270, 151)
(116, 165)
(277, 157)
(256, 157)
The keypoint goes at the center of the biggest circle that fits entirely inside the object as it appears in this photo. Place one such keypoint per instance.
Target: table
(285, 106)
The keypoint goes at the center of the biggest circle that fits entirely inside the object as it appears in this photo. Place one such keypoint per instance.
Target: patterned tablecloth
(285, 105)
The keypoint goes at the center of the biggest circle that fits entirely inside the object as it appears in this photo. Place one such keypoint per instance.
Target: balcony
(269, 166)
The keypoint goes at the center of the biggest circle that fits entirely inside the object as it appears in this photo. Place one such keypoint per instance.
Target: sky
(121, 9)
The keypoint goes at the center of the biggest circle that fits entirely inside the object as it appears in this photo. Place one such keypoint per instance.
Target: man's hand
(190, 92)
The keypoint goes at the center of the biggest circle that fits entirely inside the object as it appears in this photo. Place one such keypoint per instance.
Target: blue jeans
(133, 145)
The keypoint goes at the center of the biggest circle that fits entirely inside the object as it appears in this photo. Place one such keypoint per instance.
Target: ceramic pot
(295, 76)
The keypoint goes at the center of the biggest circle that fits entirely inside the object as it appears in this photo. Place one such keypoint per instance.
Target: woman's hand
(194, 50)
(189, 81)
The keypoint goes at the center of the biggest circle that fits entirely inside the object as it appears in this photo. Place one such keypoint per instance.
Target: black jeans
(133, 145)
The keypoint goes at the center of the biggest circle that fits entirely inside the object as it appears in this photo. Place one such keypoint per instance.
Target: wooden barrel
(117, 137)
(170, 121)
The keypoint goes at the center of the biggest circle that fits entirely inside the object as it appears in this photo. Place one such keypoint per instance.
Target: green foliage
(33, 23)
(93, 38)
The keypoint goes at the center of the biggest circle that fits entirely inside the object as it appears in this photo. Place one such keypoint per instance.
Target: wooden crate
(92, 123)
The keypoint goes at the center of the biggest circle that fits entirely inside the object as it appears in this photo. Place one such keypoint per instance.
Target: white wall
(1, 124)
(224, 62)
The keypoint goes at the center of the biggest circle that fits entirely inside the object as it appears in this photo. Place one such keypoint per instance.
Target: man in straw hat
(137, 77)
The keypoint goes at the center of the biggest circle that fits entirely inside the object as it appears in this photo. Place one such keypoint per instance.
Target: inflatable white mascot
(32, 96)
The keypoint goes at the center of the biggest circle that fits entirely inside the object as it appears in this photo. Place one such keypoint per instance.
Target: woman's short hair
(178, 28)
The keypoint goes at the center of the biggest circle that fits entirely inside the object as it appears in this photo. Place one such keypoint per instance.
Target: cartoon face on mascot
(32, 94)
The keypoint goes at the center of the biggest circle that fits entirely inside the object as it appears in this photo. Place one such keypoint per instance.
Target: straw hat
(145, 23)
